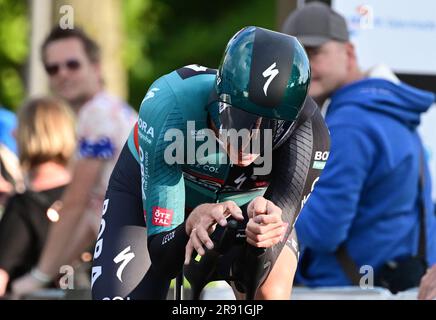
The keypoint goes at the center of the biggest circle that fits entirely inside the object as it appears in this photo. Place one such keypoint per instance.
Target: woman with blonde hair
(46, 143)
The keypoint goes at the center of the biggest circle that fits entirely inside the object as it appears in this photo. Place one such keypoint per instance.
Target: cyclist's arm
(297, 164)
(163, 189)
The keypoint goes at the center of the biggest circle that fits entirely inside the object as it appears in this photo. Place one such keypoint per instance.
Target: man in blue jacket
(366, 205)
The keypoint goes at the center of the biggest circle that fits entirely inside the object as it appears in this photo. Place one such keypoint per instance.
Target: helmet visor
(243, 131)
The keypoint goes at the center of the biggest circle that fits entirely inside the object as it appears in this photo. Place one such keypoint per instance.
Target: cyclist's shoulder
(192, 84)
(195, 72)
(182, 83)
(182, 93)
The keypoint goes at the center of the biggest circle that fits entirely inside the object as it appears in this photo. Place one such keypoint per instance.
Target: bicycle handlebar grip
(228, 237)
(200, 273)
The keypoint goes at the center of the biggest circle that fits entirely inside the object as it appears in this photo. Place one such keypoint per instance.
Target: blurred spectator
(10, 175)
(8, 123)
(427, 289)
(46, 142)
(366, 207)
(72, 62)
(11, 179)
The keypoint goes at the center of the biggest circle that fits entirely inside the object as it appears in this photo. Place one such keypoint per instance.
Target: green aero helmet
(262, 74)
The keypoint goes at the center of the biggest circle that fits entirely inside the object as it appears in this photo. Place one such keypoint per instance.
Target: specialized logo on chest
(225, 178)
(243, 178)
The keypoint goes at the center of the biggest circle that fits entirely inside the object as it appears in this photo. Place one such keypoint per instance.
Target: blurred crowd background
(139, 41)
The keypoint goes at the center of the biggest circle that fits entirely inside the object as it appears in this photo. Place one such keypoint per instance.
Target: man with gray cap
(324, 34)
(367, 207)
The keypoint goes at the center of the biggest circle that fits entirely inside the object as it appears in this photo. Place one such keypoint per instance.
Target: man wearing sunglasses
(198, 156)
(72, 62)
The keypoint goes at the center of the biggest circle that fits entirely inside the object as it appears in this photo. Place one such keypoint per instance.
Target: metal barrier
(222, 291)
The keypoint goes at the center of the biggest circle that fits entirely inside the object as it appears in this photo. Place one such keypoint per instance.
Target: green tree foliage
(163, 35)
(13, 51)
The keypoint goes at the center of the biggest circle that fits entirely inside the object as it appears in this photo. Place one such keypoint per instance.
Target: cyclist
(170, 188)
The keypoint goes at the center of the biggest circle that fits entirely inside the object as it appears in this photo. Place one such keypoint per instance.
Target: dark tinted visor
(235, 118)
(250, 130)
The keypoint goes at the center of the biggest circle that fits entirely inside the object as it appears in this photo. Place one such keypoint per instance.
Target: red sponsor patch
(135, 137)
(162, 217)
(261, 183)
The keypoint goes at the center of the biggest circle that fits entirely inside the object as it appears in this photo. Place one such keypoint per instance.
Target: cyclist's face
(236, 144)
(239, 158)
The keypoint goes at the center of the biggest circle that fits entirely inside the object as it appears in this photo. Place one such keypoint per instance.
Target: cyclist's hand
(202, 221)
(427, 288)
(265, 227)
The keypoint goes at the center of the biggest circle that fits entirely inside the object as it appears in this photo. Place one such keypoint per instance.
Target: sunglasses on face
(53, 69)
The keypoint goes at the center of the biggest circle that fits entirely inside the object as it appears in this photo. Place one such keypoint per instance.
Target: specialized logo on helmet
(271, 73)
